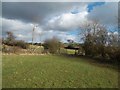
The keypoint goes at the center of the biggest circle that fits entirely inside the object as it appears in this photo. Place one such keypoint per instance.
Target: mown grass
(50, 71)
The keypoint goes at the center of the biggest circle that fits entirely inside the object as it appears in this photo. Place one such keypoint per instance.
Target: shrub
(21, 44)
(113, 52)
(10, 49)
(52, 45)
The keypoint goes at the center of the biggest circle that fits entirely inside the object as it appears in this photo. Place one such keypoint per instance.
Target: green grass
(69, 51)
(49, 71)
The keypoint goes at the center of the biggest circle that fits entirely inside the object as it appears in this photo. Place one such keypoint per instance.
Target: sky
(54, 19)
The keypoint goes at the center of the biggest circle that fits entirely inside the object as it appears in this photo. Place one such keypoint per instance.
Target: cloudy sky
(60, 19)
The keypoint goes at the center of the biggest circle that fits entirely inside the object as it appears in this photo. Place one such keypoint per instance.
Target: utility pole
(40, 39)
(33, 34)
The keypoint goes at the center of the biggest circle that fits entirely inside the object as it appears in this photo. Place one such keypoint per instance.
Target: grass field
(47, 71)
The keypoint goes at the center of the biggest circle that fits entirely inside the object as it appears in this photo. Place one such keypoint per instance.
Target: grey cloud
(35, 11)
(106, 14)
(38, 12)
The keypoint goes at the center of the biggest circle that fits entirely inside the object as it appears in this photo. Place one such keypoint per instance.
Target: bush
(81, 51)
(10, 49)
(21, 44)
(11, 41)
(113, 52)
(52, 45)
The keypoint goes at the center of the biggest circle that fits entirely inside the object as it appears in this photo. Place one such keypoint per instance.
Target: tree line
(98, 41)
